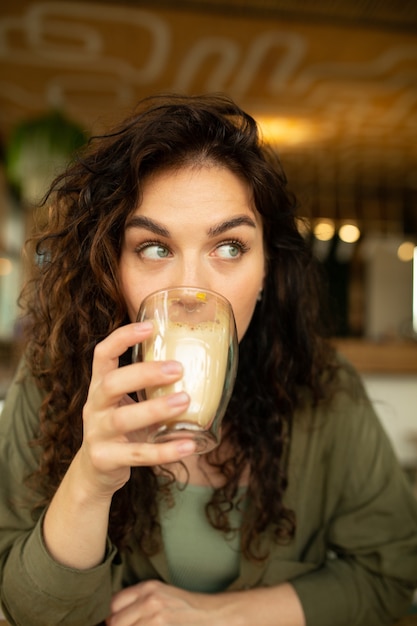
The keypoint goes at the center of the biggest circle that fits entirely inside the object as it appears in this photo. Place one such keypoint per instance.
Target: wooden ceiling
(339, 78)
(386, 14)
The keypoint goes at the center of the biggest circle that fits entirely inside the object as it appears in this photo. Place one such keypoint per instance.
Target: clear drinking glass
(196, 327)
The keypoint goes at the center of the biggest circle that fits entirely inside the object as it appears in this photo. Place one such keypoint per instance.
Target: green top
(199, 557)
(353, 561)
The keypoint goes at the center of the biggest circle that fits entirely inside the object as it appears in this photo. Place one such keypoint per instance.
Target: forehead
(208, 190)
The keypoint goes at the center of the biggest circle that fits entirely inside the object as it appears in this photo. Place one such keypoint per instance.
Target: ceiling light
(285, 130)
(324, 230)
(405, 251)
(349, 233)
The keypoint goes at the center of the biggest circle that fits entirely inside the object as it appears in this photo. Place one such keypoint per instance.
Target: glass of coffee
(196, 327)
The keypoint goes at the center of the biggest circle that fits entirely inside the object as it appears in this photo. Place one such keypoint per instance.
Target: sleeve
(35, 588)
(371, 532)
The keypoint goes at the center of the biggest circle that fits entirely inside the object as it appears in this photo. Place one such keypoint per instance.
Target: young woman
(301, 516)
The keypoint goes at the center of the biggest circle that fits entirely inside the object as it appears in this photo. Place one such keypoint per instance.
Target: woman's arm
(60, 567)
(34, 588)
(75, 525)
(154, 603)
(356, 516)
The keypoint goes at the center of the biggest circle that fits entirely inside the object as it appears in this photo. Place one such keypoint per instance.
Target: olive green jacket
(353, 561)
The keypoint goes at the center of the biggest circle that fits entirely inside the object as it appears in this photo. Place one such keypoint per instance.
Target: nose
(191, 273)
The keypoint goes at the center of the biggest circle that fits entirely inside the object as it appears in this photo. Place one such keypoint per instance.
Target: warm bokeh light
(405, 251)
(285, 130)
(349, 233)
(6, 266)
(324, 230)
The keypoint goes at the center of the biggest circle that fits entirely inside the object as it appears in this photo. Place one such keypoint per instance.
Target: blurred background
(333, 85)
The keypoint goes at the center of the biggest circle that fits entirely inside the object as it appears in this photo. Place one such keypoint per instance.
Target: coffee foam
(202, 348)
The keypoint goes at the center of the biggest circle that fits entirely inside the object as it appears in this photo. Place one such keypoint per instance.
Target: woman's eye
(230, 250)
(153, 251)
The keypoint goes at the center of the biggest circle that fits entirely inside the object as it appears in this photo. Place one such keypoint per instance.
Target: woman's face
(195, 227)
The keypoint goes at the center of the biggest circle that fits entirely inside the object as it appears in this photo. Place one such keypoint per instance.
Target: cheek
(243, 309)
(128, 287)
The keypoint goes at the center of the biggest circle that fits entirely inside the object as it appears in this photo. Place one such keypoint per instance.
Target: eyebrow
(234, 222)
(140, 221)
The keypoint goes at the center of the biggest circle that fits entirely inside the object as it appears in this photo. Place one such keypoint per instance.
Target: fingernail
(178, 399)
(186, 447)
(140, 327)
(171, 367)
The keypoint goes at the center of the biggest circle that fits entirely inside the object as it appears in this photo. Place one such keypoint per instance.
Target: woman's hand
(153, 603)
(156, 604)
(114, 424)
(76, 522)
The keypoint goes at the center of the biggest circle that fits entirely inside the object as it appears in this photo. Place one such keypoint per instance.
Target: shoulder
(344, 425)
(340, 451)
(344, 402)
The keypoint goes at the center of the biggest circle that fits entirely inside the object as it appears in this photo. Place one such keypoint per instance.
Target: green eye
(229, 251)
(154, 251)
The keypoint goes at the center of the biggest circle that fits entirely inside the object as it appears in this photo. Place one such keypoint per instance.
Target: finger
(160, 453)
(134, 593)
(131, 615)
(117, 383)
(111, 456)
(108, 351)
(124, 598)
(132, 417)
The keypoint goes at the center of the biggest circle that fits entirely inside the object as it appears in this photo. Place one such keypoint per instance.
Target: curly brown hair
(74, 301)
